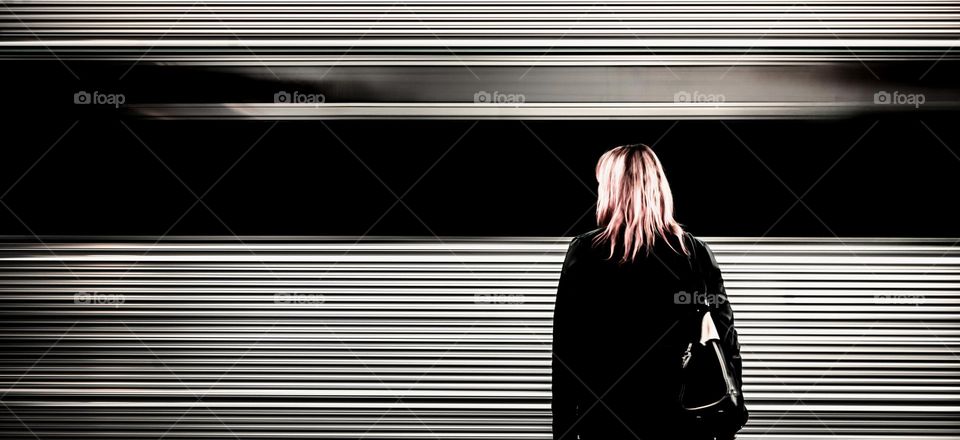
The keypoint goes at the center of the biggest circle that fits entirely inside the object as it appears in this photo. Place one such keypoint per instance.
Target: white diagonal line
(42, 356)
(736, 62)
(544, 54)
(14, 414)
(64, 334)
(30, 369)
(199, 200)
(230, 30)
(950, 150)
(54, 144)
(438, 238)
(829, 29)
(800, 197)
(949, 49)
(27, 27)
(940, 140)
(165, 32)
(343, 55)
(590, 188)
(400, 200)
(430, 31)
(410, 188)
(614, 385)
(473, 325)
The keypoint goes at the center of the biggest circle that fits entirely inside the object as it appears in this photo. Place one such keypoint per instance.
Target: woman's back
(619, 333)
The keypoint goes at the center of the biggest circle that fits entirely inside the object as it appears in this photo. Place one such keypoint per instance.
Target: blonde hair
(634, 201)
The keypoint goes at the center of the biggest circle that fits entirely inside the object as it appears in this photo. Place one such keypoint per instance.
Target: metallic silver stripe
(508, 60)
(393, 337)
(637, 110)
(162, 29)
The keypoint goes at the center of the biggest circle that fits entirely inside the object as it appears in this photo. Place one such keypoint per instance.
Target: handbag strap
(700, 298)
(698, 269)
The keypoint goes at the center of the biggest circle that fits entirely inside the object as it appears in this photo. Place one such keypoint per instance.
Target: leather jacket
(618, 338)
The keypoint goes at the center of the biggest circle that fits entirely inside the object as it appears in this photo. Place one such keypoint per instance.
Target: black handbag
(711, 404)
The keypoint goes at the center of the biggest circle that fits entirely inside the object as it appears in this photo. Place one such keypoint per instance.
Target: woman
(621, 320)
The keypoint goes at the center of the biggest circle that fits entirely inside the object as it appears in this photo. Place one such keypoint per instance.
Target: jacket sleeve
(565, 384)
(723, 318)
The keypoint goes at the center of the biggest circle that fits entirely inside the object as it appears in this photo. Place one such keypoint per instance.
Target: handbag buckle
(686, 355)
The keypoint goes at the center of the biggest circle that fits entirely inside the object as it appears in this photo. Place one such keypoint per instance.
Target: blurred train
(345, 219)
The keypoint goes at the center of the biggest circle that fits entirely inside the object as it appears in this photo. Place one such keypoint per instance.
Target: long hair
(634, 203)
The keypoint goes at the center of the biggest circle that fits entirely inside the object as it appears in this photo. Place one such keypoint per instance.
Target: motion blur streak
(390, 338)
(436, 59)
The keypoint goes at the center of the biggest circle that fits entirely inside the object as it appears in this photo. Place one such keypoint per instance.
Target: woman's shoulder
(585, 239)
(702, 249)
(694, 241)
(589, 234)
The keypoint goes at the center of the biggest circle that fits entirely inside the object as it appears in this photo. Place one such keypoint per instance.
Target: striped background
(426, 59)
(302, 29)
(400, 338)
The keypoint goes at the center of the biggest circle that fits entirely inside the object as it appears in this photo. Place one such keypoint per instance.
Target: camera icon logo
(281, 97)
(682, 297)
(682, 96)
(481, 96)
(881, 97)
(81, 97)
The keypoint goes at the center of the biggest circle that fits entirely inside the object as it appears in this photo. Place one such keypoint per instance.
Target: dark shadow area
(894, 176)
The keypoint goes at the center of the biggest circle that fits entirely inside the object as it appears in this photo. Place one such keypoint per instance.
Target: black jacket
(618, 336)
